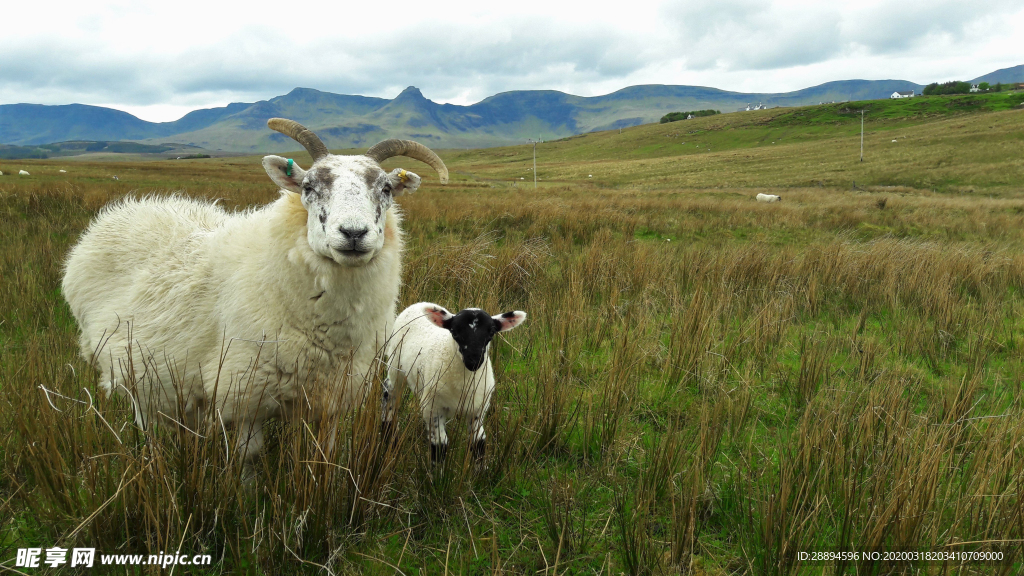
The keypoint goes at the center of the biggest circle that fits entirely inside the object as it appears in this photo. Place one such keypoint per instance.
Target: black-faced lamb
(444, 358)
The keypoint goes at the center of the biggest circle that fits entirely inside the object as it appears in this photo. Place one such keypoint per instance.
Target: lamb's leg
(438, 438)
(477, 437)
(394, 386)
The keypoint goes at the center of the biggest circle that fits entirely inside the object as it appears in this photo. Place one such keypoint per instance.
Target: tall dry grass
(818, 375)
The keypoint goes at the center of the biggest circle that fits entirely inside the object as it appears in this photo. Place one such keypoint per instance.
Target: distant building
(974, 88)
(909, 94)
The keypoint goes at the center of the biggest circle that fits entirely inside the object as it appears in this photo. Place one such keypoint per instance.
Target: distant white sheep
(23, 173)
(768, 198)
(63, 171)
(444, 357)
(237, 316)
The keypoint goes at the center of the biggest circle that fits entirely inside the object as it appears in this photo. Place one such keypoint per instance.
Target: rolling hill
(345, 121)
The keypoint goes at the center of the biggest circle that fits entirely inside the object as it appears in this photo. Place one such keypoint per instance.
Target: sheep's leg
(248, 445)
(438, 438)
(477, 437)
(332, 438)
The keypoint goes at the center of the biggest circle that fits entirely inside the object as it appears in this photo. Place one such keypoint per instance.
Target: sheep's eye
(387, 188)
(308, 189)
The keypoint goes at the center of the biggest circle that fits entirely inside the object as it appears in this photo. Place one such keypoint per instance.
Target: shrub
(674, 116)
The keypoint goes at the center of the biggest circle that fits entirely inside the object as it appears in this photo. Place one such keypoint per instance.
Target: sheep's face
(473, 329)
(347, 199)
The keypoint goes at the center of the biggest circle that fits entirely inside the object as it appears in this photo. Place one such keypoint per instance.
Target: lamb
(23, 173)
(768, 198)
(241, 317)
(445, 358)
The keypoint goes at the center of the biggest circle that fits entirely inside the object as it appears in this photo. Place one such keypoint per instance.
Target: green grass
(705, 385)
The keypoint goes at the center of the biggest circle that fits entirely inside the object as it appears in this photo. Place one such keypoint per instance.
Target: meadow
(705, 385)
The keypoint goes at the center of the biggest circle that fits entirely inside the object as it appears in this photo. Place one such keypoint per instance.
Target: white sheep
(23, 173)
(62, 171)
(444, 357)
(768, 198)
(239, 316)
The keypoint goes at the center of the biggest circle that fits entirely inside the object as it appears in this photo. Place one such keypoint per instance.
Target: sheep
(768, 198)
(445, 358)
(62, 171)
(23, 173)
(237, 316)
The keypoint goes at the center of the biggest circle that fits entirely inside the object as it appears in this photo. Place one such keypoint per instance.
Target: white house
(909, 94)
(974, 88)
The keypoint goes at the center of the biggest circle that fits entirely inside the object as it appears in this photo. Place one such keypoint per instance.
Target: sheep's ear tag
(403, 176)
(288, 170)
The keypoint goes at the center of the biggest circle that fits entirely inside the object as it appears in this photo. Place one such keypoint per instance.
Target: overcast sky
(161, 60)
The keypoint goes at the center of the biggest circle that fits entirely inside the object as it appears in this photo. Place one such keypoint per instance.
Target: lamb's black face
(473, 329)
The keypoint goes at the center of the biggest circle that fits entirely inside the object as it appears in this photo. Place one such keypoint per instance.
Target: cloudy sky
(159, 61)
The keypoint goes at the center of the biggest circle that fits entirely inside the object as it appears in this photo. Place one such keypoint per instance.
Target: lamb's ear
(284, 172)
(438, 316)
(402, 182)
(509, 320)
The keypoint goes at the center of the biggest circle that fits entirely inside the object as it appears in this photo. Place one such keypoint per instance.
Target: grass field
(705, 385)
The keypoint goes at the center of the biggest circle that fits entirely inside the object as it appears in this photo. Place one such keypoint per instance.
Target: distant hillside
(355, 121)
(79, 147)
(506, 118)
(1006, 76)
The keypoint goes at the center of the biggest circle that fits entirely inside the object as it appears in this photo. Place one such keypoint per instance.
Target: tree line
(958, 87)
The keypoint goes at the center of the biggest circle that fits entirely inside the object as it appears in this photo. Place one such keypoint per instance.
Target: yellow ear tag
(403, 176)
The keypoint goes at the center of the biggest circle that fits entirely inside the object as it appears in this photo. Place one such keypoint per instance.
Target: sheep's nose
(353, 234)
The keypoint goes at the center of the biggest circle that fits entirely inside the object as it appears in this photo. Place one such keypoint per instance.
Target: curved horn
(393, 147)
(300, 134)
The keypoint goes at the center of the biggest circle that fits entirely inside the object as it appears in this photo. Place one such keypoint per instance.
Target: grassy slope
(702, 380)
(942, 143)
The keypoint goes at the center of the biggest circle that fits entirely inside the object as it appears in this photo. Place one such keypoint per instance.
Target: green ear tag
(288, 172)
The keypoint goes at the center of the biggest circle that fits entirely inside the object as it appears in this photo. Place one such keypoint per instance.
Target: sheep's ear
(279, 169)
(509, 320)
(403, 182)
(438, 316)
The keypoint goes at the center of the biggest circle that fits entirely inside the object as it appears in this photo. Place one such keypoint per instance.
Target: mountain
(24, 124)
(502, 119)
(1006, 76)
(344, 121)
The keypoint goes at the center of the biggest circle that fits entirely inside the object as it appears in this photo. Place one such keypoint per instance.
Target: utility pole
(862, 135)
(534, 163)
